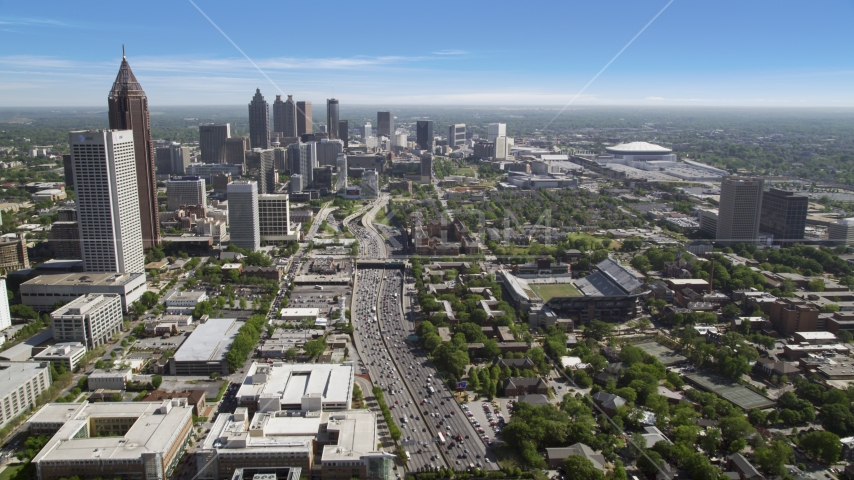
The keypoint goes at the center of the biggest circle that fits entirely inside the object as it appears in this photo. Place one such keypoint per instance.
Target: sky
(769, 53)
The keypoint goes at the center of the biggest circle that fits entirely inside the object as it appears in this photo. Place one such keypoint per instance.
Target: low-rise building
(22, 383)
(68, 354)
(298, 314)
(204, 351)
(90, 319)
(184, 302)
(110, 379)
(134, 440)
(282, 386)
(45, 291)
(513, 387)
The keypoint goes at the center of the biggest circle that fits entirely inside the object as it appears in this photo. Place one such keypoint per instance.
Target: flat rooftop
(180, 296)
(13, 374)
(300, 312)
(290, 382)
(153, 431)
(87, 278)
(210, 341)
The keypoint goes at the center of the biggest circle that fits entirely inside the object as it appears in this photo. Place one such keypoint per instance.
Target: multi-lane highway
(420, 403)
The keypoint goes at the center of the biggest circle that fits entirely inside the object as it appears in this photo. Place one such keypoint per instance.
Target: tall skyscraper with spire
(278, 114)
(128, 110)
(332, 118)
(259, 121)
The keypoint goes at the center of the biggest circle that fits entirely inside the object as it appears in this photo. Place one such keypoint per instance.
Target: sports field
(663, 354)
(739, 395)
(550, 290)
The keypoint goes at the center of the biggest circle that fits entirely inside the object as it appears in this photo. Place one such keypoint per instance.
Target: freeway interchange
(420, 402)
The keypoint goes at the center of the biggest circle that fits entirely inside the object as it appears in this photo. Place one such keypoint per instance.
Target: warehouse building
(203, 352)
(282, 386)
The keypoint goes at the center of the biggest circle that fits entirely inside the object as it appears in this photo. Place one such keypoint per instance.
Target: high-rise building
(784, 215)
(278, 115)
(341, 164)
(332, 117)
(128, 106)
(67, 170)
(64, 238)
(457, 135)
(235, 150)
(740, 207)
(344, 132)
(385, 124)
(370, 184)
(427, 167)
(243, 214)
(503, 145)
(495, 130)
(289, 118)
(13, 254)
(304, 121)
(111, 237)
(259, 121)
(841, 232)
(303, 159)
(268, 174)
(5, 314)
(212, 142)
(185, 191)
(90, 319)
(327, 151)
(297, 184)
(367, 130)
(172, 159)
(424, 134)
(274, 213)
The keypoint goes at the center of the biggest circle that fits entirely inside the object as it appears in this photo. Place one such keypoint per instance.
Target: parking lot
(477, 413)
(310, 297)
(159, 343)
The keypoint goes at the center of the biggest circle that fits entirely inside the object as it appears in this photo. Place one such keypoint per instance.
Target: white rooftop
(290, 382)
(638, 147)
(210, 341)
(816, 335)
(300, 312)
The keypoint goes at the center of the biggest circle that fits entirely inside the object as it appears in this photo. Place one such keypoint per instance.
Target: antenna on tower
(123, 52)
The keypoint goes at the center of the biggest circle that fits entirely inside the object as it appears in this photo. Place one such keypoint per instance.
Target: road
(403, 370)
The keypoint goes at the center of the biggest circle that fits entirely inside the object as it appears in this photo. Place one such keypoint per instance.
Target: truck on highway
(431, 390)
(441, 438)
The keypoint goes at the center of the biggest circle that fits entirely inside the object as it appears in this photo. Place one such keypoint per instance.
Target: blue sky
(703, 53)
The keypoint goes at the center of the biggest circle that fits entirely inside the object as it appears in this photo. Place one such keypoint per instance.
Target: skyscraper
(344, 132)
(304, 124)
(332, 117)
(303, 160)
(212, 140)
(5, 313)
(268, 176)
(289, 118)
(327, 151)
(424, 134)
(172, 159)
(367, 131)
(784, 215)
(426, 168)
(235, 150)
(278, 114)
(243, 214)
(457, 135)
(259, 121)
(128, 110)
(185, 191)
(496, 130)
(111, 238)
(740, 206)
(385, 125)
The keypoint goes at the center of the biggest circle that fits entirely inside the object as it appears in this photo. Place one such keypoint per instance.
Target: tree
(619, 471)
(731, 310)
(816, 285)
(837, 418)
(772, 457)
(598, 330)
(581, 468)
(314, 347)
(734, 427)
(291, 353)
(822, 446)
(156, 381)
(242, 301)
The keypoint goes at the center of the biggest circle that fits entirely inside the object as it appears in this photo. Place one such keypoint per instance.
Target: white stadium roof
(638, 148)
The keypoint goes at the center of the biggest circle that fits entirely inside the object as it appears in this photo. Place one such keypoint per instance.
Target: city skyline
(726, 54)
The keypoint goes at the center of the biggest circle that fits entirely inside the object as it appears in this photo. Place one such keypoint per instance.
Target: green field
(548, 291)
(464, 171)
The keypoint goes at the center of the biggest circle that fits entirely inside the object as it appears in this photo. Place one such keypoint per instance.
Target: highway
(408, 379)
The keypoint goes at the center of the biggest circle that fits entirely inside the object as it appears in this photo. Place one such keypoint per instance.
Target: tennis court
(739, 395)
(663, 354)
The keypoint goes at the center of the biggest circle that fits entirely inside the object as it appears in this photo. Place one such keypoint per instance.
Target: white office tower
(184, 191)
(274, 218)
(367, 131)
(370, 184)
(5, 315)
(243, 214)
(303, 161)
(107, 200)
(341, 163)
(496, 130)
(503, 145)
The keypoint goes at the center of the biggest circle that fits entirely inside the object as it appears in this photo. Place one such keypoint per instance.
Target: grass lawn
(12, 472)
(575, 236)
(464, 171)
(546, 292)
